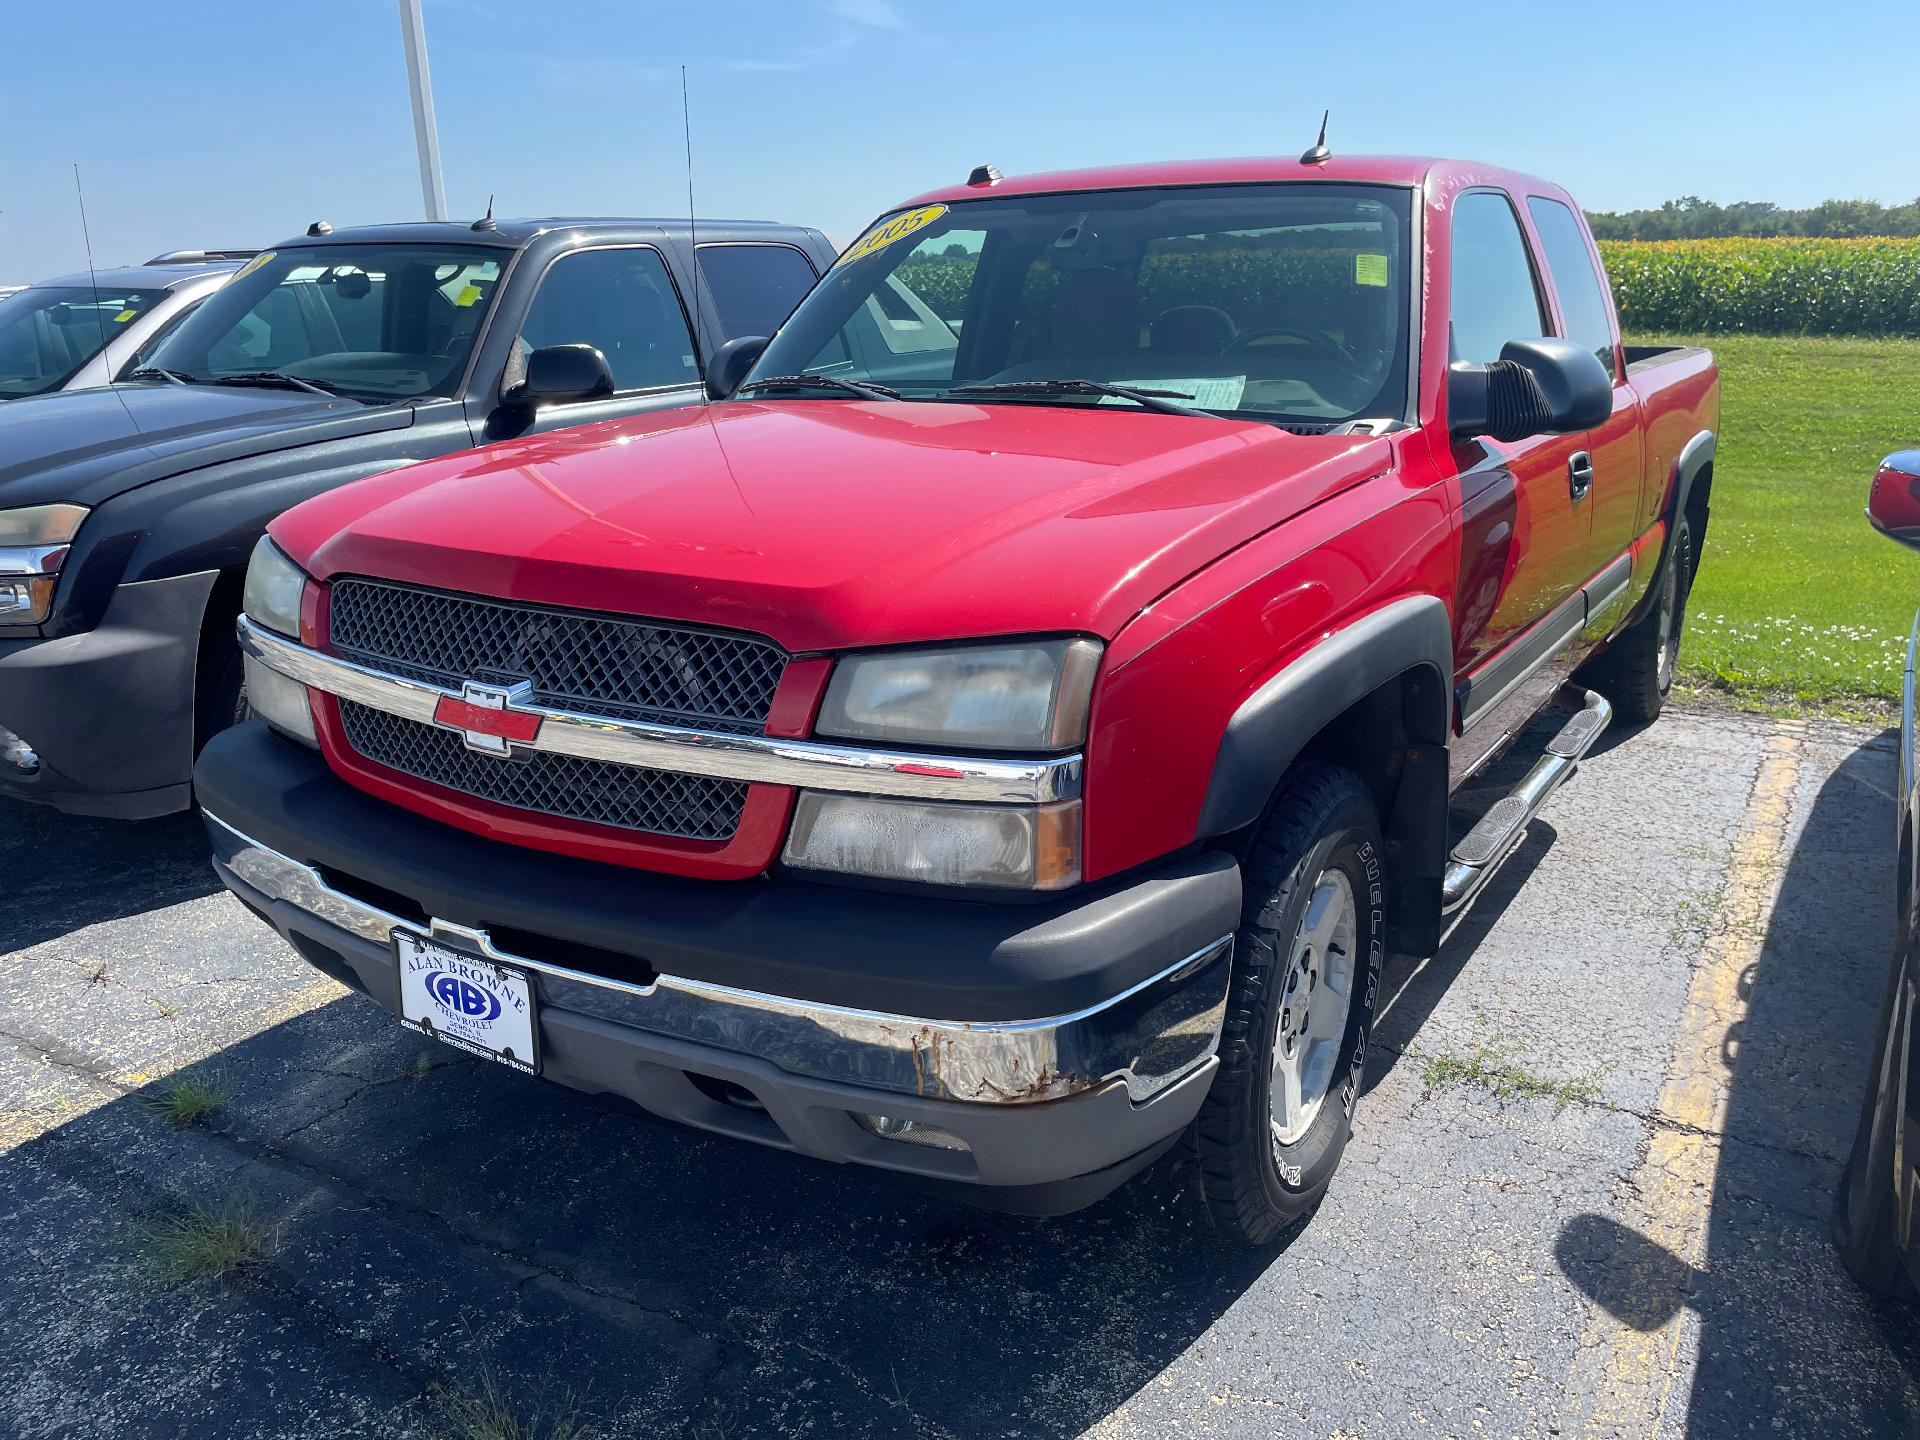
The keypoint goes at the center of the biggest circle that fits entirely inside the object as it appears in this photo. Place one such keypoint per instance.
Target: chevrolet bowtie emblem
(487, 717)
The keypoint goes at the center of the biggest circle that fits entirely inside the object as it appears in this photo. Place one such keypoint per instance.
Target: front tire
(1299, 1009)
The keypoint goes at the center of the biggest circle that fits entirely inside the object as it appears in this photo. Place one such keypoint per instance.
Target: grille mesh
(690, 807)
(598, 665)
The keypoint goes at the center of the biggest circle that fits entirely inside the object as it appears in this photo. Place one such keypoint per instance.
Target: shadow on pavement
(65, 872)
(436, 1221)
(1786, 1344)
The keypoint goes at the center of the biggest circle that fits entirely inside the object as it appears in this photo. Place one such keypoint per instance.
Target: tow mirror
(729, 365)
(559, 373)
(1546, 386)
(1893, 500)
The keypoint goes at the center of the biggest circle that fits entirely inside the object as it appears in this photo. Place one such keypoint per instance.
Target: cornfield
(1767, 287)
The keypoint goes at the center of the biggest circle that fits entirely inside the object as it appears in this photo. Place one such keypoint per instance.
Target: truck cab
(1001, 737)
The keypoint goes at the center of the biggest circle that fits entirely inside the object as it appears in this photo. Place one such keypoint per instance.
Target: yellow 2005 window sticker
(1370, 270)
(894, 227)
(468, 294)
(124, 316)
(252, 265)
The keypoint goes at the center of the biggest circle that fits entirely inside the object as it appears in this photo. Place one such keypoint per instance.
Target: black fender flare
(1274, 724)
(1695, 456)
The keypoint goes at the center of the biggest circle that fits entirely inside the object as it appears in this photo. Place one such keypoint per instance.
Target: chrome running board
(1498, 832)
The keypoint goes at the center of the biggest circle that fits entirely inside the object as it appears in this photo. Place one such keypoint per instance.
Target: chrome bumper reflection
(1148, 1036)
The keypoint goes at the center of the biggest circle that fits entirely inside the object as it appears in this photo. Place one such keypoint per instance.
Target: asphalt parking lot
(1587, 1192)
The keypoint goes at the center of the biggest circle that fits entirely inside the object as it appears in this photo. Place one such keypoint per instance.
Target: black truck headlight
(274, 589)
(33, 546)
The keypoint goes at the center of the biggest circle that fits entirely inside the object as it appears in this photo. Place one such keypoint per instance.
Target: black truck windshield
(376, 322)
(49, 332)
(1280, 302)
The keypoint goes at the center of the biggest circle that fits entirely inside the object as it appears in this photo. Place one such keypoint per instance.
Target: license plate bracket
(467, 1001)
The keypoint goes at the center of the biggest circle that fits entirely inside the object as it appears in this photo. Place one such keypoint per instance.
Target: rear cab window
(1583, 306)
(754, 287)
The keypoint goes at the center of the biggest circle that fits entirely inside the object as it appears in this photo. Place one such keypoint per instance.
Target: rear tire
(1313, 921)
(1636, 671)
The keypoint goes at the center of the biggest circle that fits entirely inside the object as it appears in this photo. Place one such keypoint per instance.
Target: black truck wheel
(1293, 1049)
(1636, 671)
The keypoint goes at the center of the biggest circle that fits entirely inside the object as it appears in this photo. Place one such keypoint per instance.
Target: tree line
(1692, 218)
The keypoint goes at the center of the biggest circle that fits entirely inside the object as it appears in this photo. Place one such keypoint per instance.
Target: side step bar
(1494, 838)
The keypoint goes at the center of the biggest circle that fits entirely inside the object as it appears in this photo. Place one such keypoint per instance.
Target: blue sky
(236, 123)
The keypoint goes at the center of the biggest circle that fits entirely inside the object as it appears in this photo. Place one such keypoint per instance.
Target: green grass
(206, 1243)
(1798, 603)
(188, 1098)
(1490, 1070)
(491, 1415)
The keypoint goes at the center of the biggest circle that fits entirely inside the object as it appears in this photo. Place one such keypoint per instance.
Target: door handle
(1579, 474)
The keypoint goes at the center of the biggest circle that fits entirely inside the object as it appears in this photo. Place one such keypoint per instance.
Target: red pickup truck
(1003, 734)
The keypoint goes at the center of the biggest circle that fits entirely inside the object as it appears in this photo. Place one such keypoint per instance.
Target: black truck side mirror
(1546, 386)
(559, 373)
(728, 365)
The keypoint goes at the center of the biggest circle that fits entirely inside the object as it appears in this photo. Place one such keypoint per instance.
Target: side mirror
(728, 365)
(1537, 387)
(559, 373)
(1893, 500)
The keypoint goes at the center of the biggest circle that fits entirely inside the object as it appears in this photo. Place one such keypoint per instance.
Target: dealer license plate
(468, 1002)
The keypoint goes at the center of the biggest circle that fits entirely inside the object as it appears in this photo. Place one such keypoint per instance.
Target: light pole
(425, 137)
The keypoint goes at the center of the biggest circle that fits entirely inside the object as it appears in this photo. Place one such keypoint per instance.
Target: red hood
(834, 523)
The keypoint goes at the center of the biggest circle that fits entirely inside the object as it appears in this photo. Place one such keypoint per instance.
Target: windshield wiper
(1161, 400)
(150, 372)
(865, 389)
(275, 377)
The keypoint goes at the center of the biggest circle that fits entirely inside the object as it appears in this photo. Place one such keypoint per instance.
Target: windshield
(48, 333)
(377, 322)
(1286, 302)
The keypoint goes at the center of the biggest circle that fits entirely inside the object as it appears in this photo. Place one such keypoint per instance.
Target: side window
(621, 302)
(1494, 299)
(1574, 280)
(754, 287)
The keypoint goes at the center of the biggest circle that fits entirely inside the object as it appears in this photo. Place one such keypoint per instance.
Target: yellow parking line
(1632, 1372)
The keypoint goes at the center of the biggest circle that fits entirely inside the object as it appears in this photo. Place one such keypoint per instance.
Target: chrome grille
(689, 807)
(595, 664)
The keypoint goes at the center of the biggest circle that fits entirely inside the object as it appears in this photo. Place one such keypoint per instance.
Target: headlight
(33, 546)
(273, 590)
(1029, 696)
(1017, 847)
(271, 599)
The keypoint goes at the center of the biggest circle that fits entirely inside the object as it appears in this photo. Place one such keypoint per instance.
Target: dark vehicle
(78, 331)
(127, 512)
(1007, 733)
(1873, 1220)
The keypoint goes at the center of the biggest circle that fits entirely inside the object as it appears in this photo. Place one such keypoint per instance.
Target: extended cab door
(1525, 537)
(1614, 448)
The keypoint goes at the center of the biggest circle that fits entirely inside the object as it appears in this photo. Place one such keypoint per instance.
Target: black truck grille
(596, 664)
(593, 664)
(690, 807)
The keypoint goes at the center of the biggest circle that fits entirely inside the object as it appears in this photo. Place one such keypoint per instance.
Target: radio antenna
(93, 283)
(693, 238)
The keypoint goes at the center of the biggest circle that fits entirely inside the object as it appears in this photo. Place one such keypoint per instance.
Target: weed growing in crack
(186, 1099)
(206, 1243)
(1491, 1071)
(491, 1415)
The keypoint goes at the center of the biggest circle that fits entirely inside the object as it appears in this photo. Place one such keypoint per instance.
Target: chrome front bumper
(1148, 1037)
